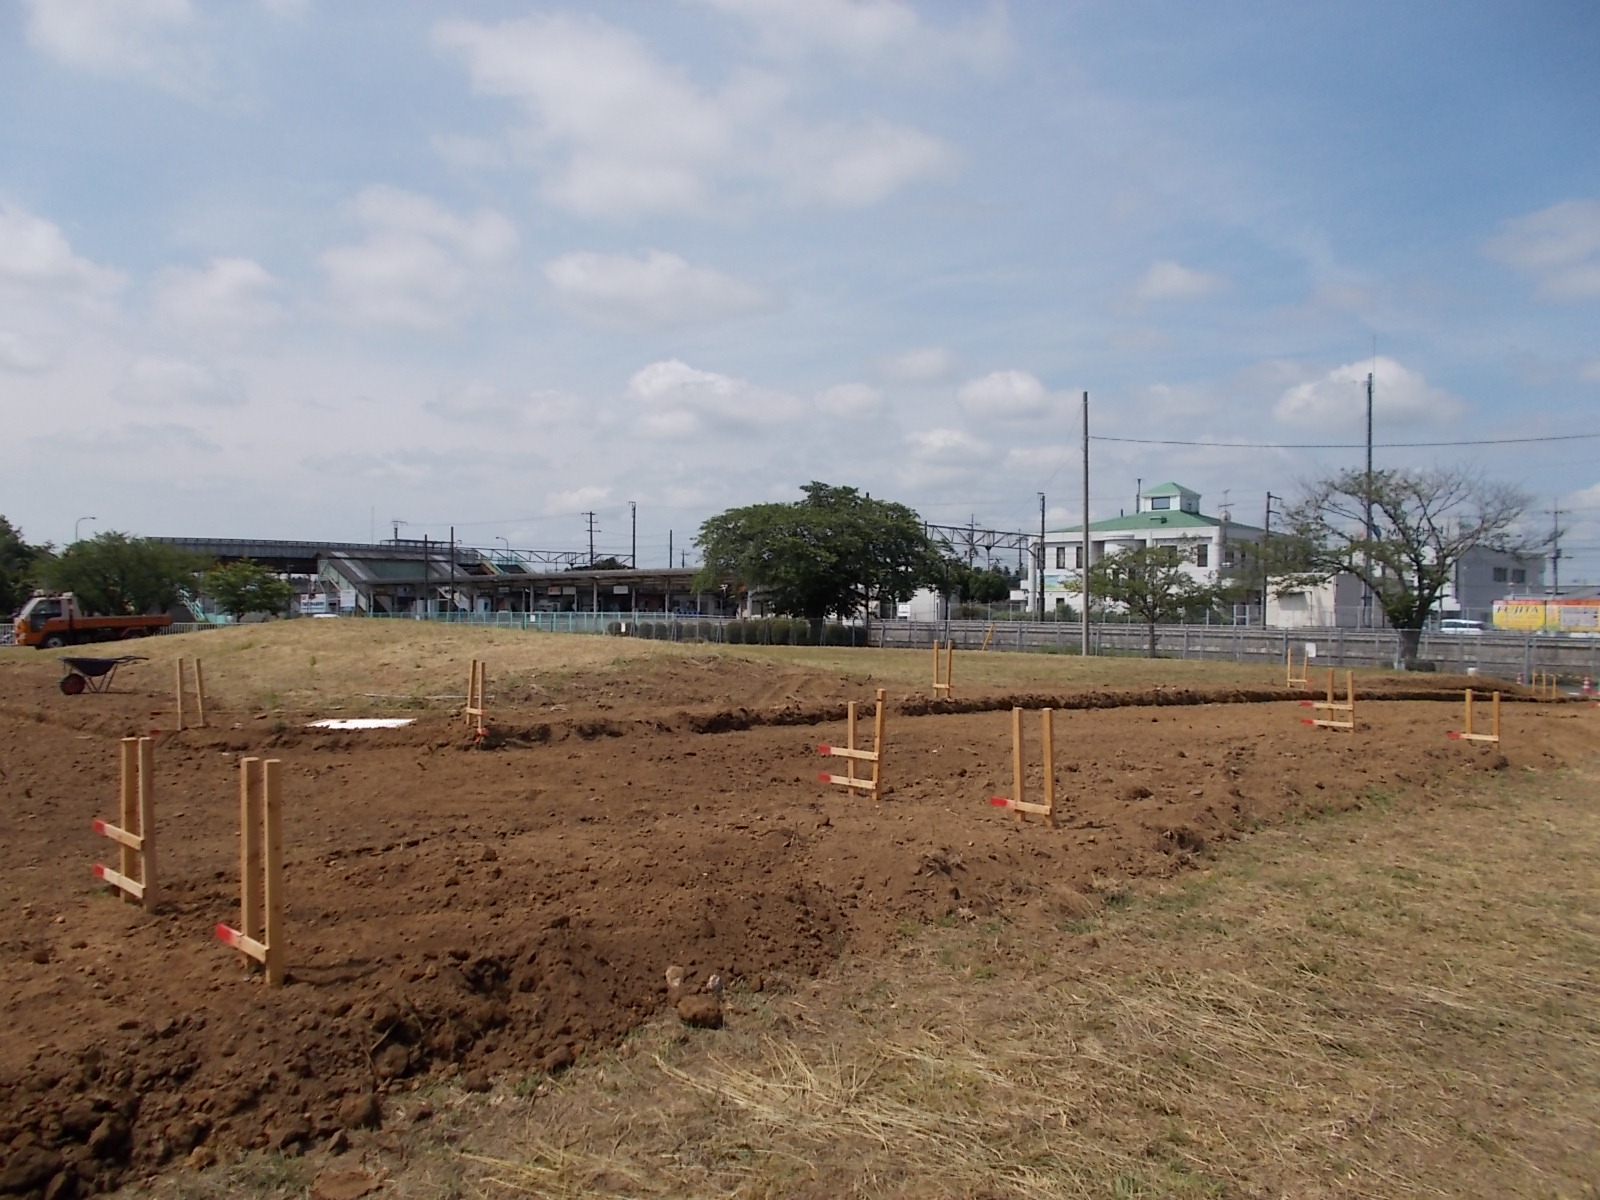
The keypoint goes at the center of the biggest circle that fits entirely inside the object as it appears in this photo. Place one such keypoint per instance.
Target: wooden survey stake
(477, 712)
(852, 754)
(1300, 678)
(136, 835)
(1334, 713)
(1544, 685)
(1017, 802)
(260, 932)
(179, 689)
(941, 681)
(1468, 734)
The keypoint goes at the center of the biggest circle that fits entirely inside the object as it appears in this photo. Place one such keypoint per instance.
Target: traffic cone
(1588, 685)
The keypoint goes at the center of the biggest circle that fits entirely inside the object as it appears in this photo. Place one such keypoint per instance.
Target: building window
(1499, 574)
(1160, 501)
(1202, 555)
(1077, 557)
(1061, 558)
(1518, 575)
(1227, 557)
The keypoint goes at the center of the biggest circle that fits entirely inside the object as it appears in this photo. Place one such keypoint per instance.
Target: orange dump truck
(47, 622)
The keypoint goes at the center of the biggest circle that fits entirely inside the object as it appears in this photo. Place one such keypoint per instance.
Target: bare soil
(470, 910)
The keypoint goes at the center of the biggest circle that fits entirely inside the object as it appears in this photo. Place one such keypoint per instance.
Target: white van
(1458, 625)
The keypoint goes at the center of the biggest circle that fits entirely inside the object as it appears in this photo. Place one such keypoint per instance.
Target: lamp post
(78, 523)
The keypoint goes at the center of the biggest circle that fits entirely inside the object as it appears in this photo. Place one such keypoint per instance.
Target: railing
(8, 635)
(1506, 655)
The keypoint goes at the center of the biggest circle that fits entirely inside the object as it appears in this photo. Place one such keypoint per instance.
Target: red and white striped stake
(852, 755)
(1017, 801)
(136, 836)
(260, 932)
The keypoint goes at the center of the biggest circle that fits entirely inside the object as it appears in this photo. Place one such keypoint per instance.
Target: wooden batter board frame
(135, 877)
(1017, 802)
(852, 755)
(260, 932)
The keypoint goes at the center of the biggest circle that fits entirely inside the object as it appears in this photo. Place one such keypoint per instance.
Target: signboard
(1575, 615)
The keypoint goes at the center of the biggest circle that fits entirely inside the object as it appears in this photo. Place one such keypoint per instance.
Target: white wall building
(1168, 515)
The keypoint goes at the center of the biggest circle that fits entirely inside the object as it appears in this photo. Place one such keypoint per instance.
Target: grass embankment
(379, 665)
(1389, 1002)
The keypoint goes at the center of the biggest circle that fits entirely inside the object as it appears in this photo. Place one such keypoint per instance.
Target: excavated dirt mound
(494, 909)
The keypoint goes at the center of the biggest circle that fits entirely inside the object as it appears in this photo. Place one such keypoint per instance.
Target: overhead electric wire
(1560, 437)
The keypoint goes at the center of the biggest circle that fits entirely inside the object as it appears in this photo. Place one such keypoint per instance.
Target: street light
(79, 522)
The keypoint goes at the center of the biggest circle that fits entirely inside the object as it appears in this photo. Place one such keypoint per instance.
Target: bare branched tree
(1423, 523)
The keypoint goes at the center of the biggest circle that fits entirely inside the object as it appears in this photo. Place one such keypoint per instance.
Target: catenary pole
(1039, 598)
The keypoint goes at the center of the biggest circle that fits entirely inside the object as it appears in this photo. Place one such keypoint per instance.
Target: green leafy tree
(974, 585)
(17, 560)
(830, 554)
(1153, 583)
(1422, 523)
(115, 574)
(244, 587)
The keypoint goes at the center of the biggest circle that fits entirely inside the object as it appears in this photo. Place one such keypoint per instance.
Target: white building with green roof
(1168, 514)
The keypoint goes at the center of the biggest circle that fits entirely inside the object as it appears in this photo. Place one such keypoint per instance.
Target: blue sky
(298, 268)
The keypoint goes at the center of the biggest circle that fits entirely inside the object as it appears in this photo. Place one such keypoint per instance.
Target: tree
(115, 574)
(1422, 523)
(245, 587)
(829, 554)
(974, 585)
(17, 560)
(1153, 583)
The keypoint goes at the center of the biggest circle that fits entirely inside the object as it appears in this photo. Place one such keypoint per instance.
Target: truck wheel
(53, 641)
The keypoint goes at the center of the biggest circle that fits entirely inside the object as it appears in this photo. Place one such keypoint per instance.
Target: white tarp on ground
(361, 723)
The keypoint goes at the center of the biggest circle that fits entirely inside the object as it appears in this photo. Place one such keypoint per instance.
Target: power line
(1563, 437)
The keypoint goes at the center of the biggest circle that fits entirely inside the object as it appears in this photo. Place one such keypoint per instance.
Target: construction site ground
(478, 911)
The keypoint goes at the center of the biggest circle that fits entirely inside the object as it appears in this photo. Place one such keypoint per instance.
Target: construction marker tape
(97, 825)
(999, 802)
(99, 870)
(824, 749)
(824, 778)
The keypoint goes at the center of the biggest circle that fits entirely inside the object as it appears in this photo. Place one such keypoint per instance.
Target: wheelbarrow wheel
(73, 684)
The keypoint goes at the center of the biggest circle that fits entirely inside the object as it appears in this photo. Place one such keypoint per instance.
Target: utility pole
(1039, 599)
(590, 517)
(1266, 537)
(1366, 595)
(669, 549)
(1084, 632)
(633, 516)
(452, 570)
(1555, 553)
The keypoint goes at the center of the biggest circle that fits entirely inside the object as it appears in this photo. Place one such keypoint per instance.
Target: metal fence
(1505, 655)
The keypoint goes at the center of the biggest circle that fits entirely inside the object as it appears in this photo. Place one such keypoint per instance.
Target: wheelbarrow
(93, 674)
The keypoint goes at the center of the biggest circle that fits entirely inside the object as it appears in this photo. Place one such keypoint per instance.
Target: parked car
(1459, 625)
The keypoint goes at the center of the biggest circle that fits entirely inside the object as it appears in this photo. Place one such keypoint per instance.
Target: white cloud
(849, 400)
(576, 500)
(1004, 395)
(227, 295)
(926, 364)
(419, 267)
(1338, 399)
(145, 40)
(658, 291)
(17, 355)
(678, 399)
(35, 254)
(616, 132)
(947, 447)
(1557, 247)
(881, 34)
(476, 402)
(159, 382)
(857, 164)
(1168, 280)
(133, 441)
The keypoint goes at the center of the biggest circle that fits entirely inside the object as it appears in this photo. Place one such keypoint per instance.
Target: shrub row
(769, 631)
